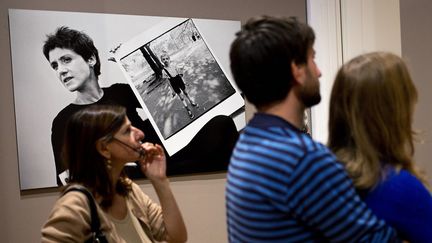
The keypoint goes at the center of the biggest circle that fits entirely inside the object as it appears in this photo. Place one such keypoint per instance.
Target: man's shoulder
(284, 144)
(314, 148)
(282, 138)
(314, 145)
(313, 153)
(303, 141)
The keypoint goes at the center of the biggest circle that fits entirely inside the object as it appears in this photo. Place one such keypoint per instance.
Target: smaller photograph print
(177, 77)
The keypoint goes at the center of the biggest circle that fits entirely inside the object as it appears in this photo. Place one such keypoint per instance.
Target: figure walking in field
(175, 78)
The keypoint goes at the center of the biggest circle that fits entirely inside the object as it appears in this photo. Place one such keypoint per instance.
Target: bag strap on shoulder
(98, 235)
(95, 223)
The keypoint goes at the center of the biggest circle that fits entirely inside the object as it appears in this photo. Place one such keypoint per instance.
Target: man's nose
(319, 72)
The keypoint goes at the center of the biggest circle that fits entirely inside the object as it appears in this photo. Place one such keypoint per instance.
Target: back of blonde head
(371, 113)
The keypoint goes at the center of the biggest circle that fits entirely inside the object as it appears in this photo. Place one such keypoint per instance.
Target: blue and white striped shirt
(284, 187)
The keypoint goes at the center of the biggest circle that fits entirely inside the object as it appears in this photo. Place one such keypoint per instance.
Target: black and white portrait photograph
(171, 74)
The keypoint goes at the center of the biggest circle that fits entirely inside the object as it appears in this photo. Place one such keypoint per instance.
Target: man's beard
(310, 93)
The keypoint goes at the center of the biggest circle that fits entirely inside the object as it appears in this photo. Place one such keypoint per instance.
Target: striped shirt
(284, 187)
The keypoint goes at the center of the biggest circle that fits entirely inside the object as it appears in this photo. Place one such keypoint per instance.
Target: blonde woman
(371, 112)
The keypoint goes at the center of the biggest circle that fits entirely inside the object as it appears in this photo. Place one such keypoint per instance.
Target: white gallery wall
(345, 29)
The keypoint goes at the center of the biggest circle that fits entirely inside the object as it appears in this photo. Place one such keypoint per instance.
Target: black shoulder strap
(95, 222)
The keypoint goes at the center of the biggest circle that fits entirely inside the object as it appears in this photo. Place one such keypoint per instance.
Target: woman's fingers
(152, 152)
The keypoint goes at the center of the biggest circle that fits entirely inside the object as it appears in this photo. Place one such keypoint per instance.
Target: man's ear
(298, 72)
(102, 148)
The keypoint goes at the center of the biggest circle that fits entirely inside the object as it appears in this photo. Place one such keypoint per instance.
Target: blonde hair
(371, 113)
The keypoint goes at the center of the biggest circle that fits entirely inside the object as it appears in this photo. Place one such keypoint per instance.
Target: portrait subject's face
(71, 69)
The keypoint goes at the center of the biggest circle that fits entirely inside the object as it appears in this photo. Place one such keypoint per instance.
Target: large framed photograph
(178, 80)
(193, 140)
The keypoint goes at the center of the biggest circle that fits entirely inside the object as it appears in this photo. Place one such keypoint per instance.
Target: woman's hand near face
(153, 164)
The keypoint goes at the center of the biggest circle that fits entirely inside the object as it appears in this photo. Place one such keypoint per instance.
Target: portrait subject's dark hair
(262, 54)
(74, 40)
(86, 165)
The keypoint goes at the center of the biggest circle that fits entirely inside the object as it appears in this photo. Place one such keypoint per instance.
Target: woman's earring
(108, 164)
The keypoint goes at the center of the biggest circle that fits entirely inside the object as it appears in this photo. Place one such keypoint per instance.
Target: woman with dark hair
(370, 131)
(99, 141)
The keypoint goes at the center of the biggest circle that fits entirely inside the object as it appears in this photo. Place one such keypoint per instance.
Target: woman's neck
(89, 94)
(115, 173)
(118, 209)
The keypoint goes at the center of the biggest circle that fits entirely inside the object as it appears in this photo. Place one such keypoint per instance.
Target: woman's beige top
(69, 220)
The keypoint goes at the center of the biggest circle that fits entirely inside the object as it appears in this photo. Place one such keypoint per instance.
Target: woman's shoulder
(398, 186)
(402, 180)
(69, 219)
(116, 87)
(64, 114)
(70, 207)
(119, 93)
(404, 203)
(73, 200)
